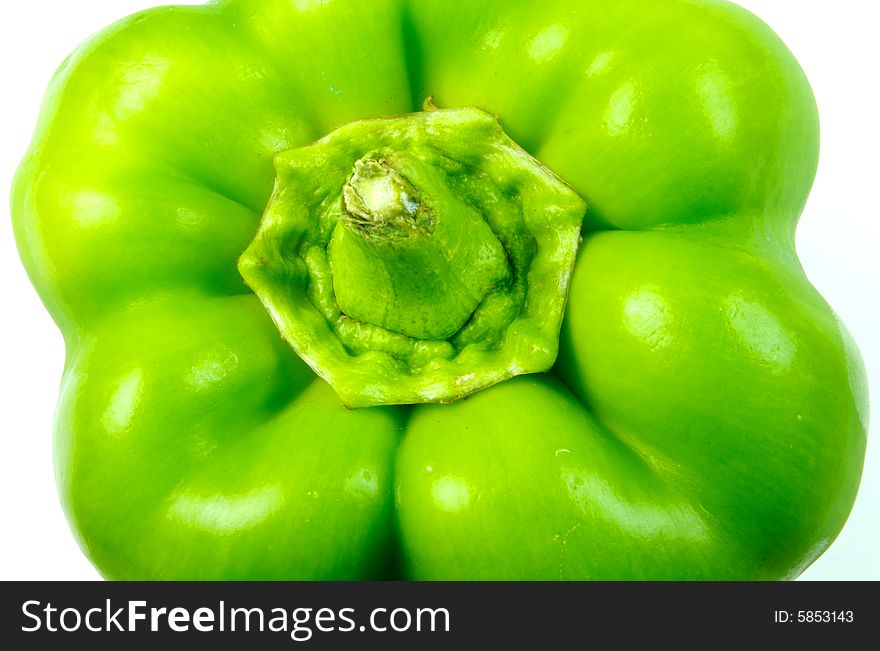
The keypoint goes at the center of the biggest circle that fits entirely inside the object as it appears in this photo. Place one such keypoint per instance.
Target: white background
(837, 44)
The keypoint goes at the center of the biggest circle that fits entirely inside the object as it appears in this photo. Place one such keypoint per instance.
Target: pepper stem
(407, 254)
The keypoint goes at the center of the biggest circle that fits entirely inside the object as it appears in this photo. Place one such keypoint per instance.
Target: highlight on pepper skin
(549, 324)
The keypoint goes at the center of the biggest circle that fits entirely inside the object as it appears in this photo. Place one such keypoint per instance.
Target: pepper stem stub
(378, 200)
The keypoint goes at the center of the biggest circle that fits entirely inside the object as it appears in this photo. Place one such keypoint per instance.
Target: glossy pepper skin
(706, 415)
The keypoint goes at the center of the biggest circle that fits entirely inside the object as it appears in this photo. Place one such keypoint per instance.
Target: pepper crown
(417, 258)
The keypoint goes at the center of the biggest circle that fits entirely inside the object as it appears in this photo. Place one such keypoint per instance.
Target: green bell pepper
(549, 324)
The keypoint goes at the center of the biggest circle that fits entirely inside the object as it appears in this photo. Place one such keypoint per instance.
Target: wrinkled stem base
(416, 259)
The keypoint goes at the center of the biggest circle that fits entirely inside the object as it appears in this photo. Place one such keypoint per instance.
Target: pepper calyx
(417, 258)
